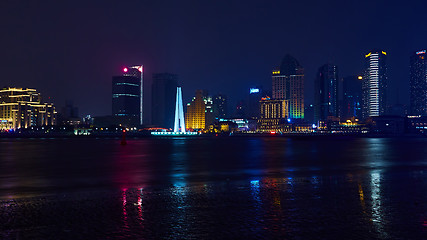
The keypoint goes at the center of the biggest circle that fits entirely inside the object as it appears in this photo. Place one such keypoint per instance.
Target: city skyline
(223, 47)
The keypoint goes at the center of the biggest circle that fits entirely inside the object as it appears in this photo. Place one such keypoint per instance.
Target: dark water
(214, 188)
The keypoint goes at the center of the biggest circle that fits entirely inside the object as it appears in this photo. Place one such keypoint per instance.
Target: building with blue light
(126, 99)
(253, 106)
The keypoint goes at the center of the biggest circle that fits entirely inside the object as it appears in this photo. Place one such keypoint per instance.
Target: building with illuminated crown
(23, 108)
(374, 85)
(418, 83)
(288, 84)
(127, 96)
(195, 116)
(326, 93)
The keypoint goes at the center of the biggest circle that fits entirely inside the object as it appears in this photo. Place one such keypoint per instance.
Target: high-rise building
(126, 93)
(326, 92)
(195, 116)
(220, 106)
(23, 108)
(138, 72)
(418, 83)
(209, 108)
(288, 84)
(352, 97)
(374, 85)
(163, 99)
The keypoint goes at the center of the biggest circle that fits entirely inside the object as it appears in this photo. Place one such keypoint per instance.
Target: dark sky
(69, 50)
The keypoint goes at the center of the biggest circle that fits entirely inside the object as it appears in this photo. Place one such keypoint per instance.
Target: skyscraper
(163, 99)
(352, 97)
(209, 109)
(195, 116)
(138, 72)
(418, 83)
(374, 85)
(126, 98)
(288, 84)
(220, 105)
(326, 92)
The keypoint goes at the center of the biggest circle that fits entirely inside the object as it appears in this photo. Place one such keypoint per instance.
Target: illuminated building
(288, 84)
(418, 83)
(23, 108)
(163, 99)
(374, 85)
(126, 99)
(195, 116)
(209, 108)
(352, 97)
(137, 72)
(179, 124)
(326, 92)
(274, 115)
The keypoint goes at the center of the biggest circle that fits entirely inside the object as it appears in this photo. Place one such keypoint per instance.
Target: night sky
(69, 50)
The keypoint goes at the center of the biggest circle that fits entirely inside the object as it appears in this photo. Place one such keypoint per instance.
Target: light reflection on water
(377, 210)
(268, 188)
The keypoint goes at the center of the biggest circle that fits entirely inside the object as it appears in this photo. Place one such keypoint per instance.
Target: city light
(125, 69)
(421, 52)
(253, 90)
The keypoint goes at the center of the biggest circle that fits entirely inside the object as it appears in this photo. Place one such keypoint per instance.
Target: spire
(179, 125)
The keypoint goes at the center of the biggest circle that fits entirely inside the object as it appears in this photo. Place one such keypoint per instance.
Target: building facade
(274, 114)
(418, 83)
(326, 93)
(352, 97)
(126, 99)
(23, 108)
(374, 85)
(288, 84)
(195, 116)
(220, 106)
(163, 99)
(137, 72)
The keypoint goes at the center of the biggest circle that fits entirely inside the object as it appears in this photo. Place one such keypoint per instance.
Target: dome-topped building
(288, 84)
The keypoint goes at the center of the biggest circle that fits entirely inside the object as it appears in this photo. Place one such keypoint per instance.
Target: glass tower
(326, 92)
(418, 83)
